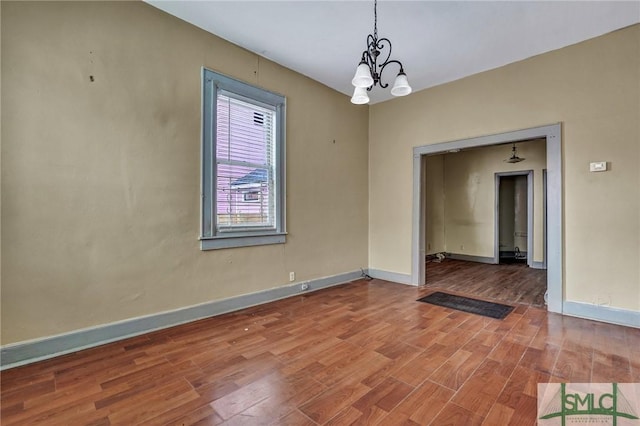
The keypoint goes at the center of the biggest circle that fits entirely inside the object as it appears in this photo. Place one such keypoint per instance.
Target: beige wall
(469, 194)
(593, 88)
(100, 180)
(434, 207)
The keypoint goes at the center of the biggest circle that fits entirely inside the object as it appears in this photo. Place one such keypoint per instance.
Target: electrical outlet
(304, 286)
(292, 276)
(461, 246)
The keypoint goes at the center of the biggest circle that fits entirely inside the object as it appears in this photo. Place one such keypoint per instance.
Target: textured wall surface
(469, 194)
(101, 179)
(593, 89)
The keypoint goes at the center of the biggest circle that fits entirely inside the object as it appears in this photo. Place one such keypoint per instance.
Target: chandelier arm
(370, 62)
(368, 59)
(380, 45)
(372, 52)
(371, 41)
(384, 65)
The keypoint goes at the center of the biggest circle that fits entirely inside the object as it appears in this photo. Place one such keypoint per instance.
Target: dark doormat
(474, 306)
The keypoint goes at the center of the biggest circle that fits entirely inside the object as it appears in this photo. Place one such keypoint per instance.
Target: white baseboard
(602, 313)
(470, 258)
(395, 277)
(538, 265)
(21, 353)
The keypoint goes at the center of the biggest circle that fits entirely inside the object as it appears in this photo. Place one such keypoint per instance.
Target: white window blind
(245, 165)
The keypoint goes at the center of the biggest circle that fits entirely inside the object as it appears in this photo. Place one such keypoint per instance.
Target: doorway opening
(513, 242)
(551, 135)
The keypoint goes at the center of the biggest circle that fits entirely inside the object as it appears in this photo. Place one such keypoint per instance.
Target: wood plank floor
(362, 353)
(515, 283)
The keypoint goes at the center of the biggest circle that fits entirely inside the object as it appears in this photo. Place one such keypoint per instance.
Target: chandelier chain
(375, 20)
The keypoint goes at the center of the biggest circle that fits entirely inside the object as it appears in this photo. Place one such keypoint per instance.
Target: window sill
(223, 242)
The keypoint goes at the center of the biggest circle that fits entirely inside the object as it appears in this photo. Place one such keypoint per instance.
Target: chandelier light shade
(369, 71)
(401, 85)
(363, 76)
(360, 96)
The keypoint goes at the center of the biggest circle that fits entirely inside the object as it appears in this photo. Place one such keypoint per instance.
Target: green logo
(586, 403)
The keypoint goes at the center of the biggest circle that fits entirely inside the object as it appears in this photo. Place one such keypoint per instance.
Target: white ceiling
(436, 41)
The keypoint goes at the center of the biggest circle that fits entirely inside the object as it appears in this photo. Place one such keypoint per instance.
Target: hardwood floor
(362, 353)
(515, 283)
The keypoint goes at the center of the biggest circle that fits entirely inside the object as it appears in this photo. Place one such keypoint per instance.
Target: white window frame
(210, 237)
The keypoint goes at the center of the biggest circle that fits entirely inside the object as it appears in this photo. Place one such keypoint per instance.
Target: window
(242, 164)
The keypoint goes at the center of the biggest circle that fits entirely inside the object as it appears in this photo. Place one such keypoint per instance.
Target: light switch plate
(599, 166)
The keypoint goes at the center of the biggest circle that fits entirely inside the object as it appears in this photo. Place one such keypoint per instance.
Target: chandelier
(369, 72)
(514, 156)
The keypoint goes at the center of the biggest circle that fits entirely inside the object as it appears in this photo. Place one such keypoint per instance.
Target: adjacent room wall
(101, 179)
(469, 193)
(460, 198)
(593, 89)
(435, 214)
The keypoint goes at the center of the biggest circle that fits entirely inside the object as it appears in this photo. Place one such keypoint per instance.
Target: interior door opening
(465, 235)
(514, 218)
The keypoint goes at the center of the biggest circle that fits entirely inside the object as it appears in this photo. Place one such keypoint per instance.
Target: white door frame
(544, 218)
(496, 246)
(553, 135)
